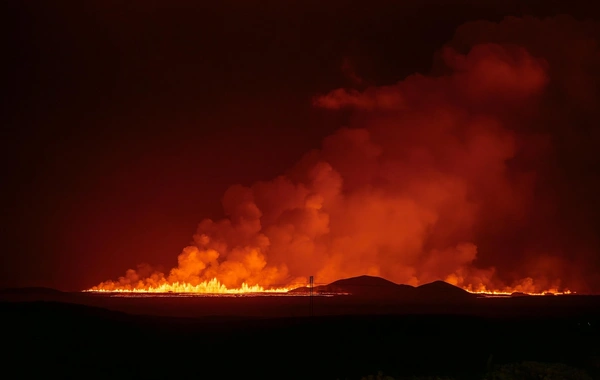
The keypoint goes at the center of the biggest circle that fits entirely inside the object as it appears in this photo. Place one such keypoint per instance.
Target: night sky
(126, 122)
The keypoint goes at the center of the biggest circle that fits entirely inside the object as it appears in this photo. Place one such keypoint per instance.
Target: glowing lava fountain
(214, 286)
(206, 287)
(509, 292)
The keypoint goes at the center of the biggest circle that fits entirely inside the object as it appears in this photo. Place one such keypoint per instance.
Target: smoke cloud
(480, 174)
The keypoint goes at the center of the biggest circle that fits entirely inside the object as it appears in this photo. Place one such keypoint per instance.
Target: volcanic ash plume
(437, 177)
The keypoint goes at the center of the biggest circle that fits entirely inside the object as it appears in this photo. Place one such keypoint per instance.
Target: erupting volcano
(458, 176)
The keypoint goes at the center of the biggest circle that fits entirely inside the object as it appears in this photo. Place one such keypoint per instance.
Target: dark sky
(127, 121)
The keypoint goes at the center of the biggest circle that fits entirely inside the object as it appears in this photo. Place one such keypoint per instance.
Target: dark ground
(95, 336)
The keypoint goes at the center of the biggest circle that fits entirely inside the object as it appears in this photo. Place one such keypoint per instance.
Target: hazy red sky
(127, 122)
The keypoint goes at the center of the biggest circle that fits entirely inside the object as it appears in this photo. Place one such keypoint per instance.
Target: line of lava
(207, 287)
(494, 293)
(214, 286)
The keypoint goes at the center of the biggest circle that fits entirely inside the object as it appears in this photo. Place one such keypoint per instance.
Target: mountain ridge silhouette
(378, 288)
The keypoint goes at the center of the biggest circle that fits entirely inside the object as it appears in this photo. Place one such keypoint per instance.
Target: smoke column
(479, 174)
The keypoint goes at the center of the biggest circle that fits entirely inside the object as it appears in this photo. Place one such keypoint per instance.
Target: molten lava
(508, 292)
(206, 287)
(214, 286)
(525, 286)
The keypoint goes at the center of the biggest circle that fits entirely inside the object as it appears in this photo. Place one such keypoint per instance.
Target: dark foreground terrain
(348, 337)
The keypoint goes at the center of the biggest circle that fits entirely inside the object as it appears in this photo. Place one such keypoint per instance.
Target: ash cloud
(480, 174)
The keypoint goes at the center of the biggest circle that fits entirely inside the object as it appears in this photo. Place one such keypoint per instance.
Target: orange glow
(525, 286)
(423, 185)
(508, 292)
(206, 287)
(215, 287)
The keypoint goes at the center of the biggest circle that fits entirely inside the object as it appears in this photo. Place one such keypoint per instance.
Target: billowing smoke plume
(477, 174)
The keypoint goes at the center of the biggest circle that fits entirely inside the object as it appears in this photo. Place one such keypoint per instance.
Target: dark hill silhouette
(30, 290)
(362, 286)
(370, 286)
(364, 281)
(33, 294)
(442, 291)
(380, 288)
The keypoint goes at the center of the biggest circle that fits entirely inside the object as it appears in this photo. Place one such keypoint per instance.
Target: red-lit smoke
(463, 175)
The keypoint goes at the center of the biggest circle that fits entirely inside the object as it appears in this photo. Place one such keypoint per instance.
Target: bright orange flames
(524, 286)
(214, 286)
(508, 292)
(206, 287)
